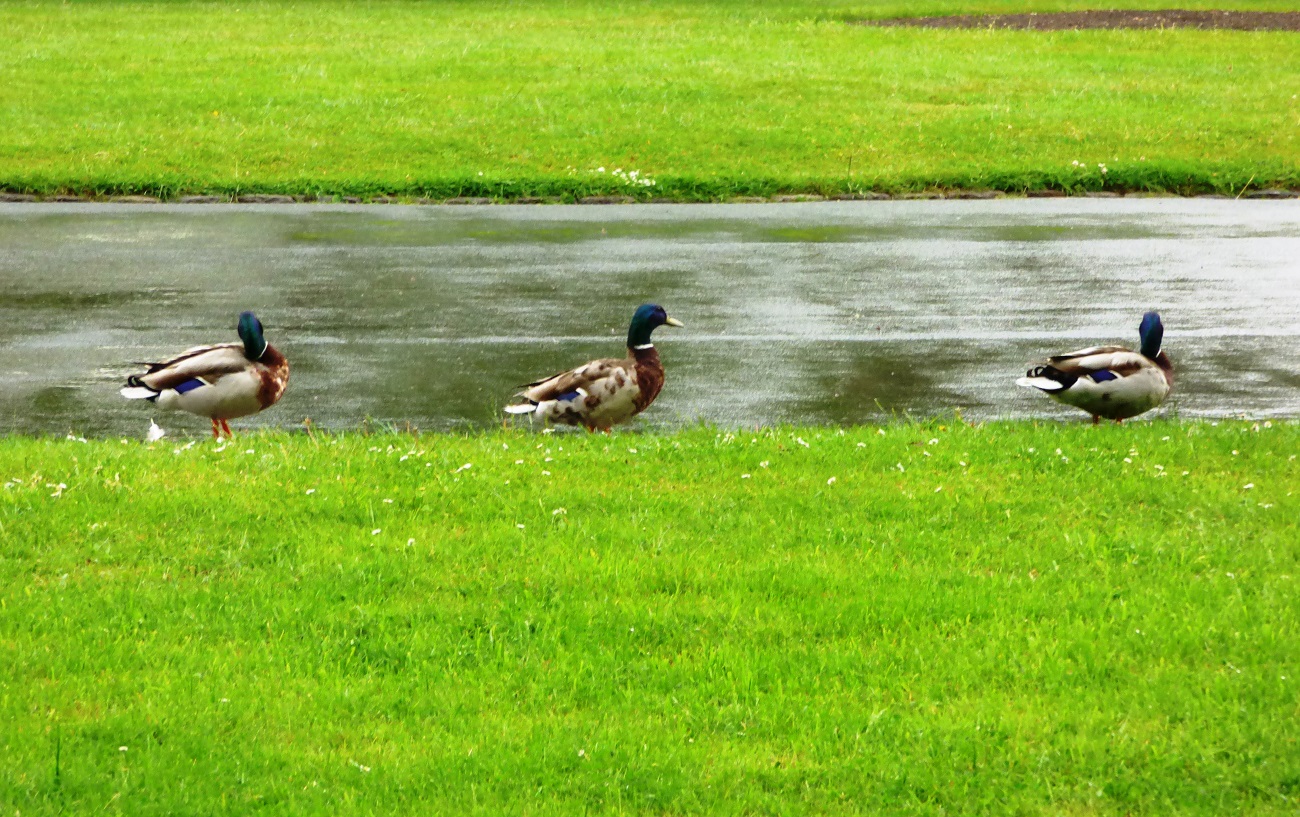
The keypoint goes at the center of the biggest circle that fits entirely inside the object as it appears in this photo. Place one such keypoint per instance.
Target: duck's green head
(250, 332)
(647, 318)
(1152, 331)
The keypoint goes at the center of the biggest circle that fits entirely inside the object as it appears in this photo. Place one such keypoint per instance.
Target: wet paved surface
(811, 313)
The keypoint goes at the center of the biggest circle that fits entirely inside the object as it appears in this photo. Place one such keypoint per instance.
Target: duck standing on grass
(603, 393)
(219, 382)
(1109, 381)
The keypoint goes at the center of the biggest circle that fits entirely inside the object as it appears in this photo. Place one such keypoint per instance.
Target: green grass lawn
(921, 619)
(708, 100)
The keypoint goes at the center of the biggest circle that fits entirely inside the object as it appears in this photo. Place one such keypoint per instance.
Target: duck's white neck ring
(643, 347)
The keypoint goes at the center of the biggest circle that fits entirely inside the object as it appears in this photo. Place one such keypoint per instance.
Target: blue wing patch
(1103, 376)
(568, 395)
(189, 385)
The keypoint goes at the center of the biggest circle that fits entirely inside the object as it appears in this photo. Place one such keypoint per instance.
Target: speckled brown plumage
(603, 393)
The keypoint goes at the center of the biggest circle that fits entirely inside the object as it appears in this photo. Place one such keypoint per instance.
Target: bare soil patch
(1067, 20)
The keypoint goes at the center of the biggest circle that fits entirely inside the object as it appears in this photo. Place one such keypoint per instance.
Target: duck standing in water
(1109, 381)
(219, 382)
(603, 393)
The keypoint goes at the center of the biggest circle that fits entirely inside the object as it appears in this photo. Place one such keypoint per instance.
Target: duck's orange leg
(216, 430)
(226, 428)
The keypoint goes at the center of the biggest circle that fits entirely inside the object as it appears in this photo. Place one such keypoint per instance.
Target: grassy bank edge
(949, 421)
(1243, 183)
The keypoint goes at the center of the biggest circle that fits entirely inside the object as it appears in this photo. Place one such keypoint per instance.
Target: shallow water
(805, 313)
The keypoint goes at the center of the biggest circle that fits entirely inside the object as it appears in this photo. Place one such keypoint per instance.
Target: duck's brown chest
(273, 369)
(649, 376)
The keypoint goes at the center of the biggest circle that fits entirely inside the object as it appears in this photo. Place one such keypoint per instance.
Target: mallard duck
(1109, 381)
(603, 393)
(219, 382)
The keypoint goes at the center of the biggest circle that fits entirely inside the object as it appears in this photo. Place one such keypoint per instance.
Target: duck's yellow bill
(673, 322)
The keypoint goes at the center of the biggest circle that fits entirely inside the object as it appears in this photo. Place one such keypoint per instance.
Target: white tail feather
(138, 393)
(1040, 383)
(521, 408)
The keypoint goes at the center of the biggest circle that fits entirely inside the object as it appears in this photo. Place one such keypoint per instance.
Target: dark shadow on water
(64, 300)
(858, 383)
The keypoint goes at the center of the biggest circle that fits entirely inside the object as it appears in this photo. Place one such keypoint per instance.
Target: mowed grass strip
(1012, 618)
(707, 100)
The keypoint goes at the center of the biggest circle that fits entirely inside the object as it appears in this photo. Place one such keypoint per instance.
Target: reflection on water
(810, 313)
